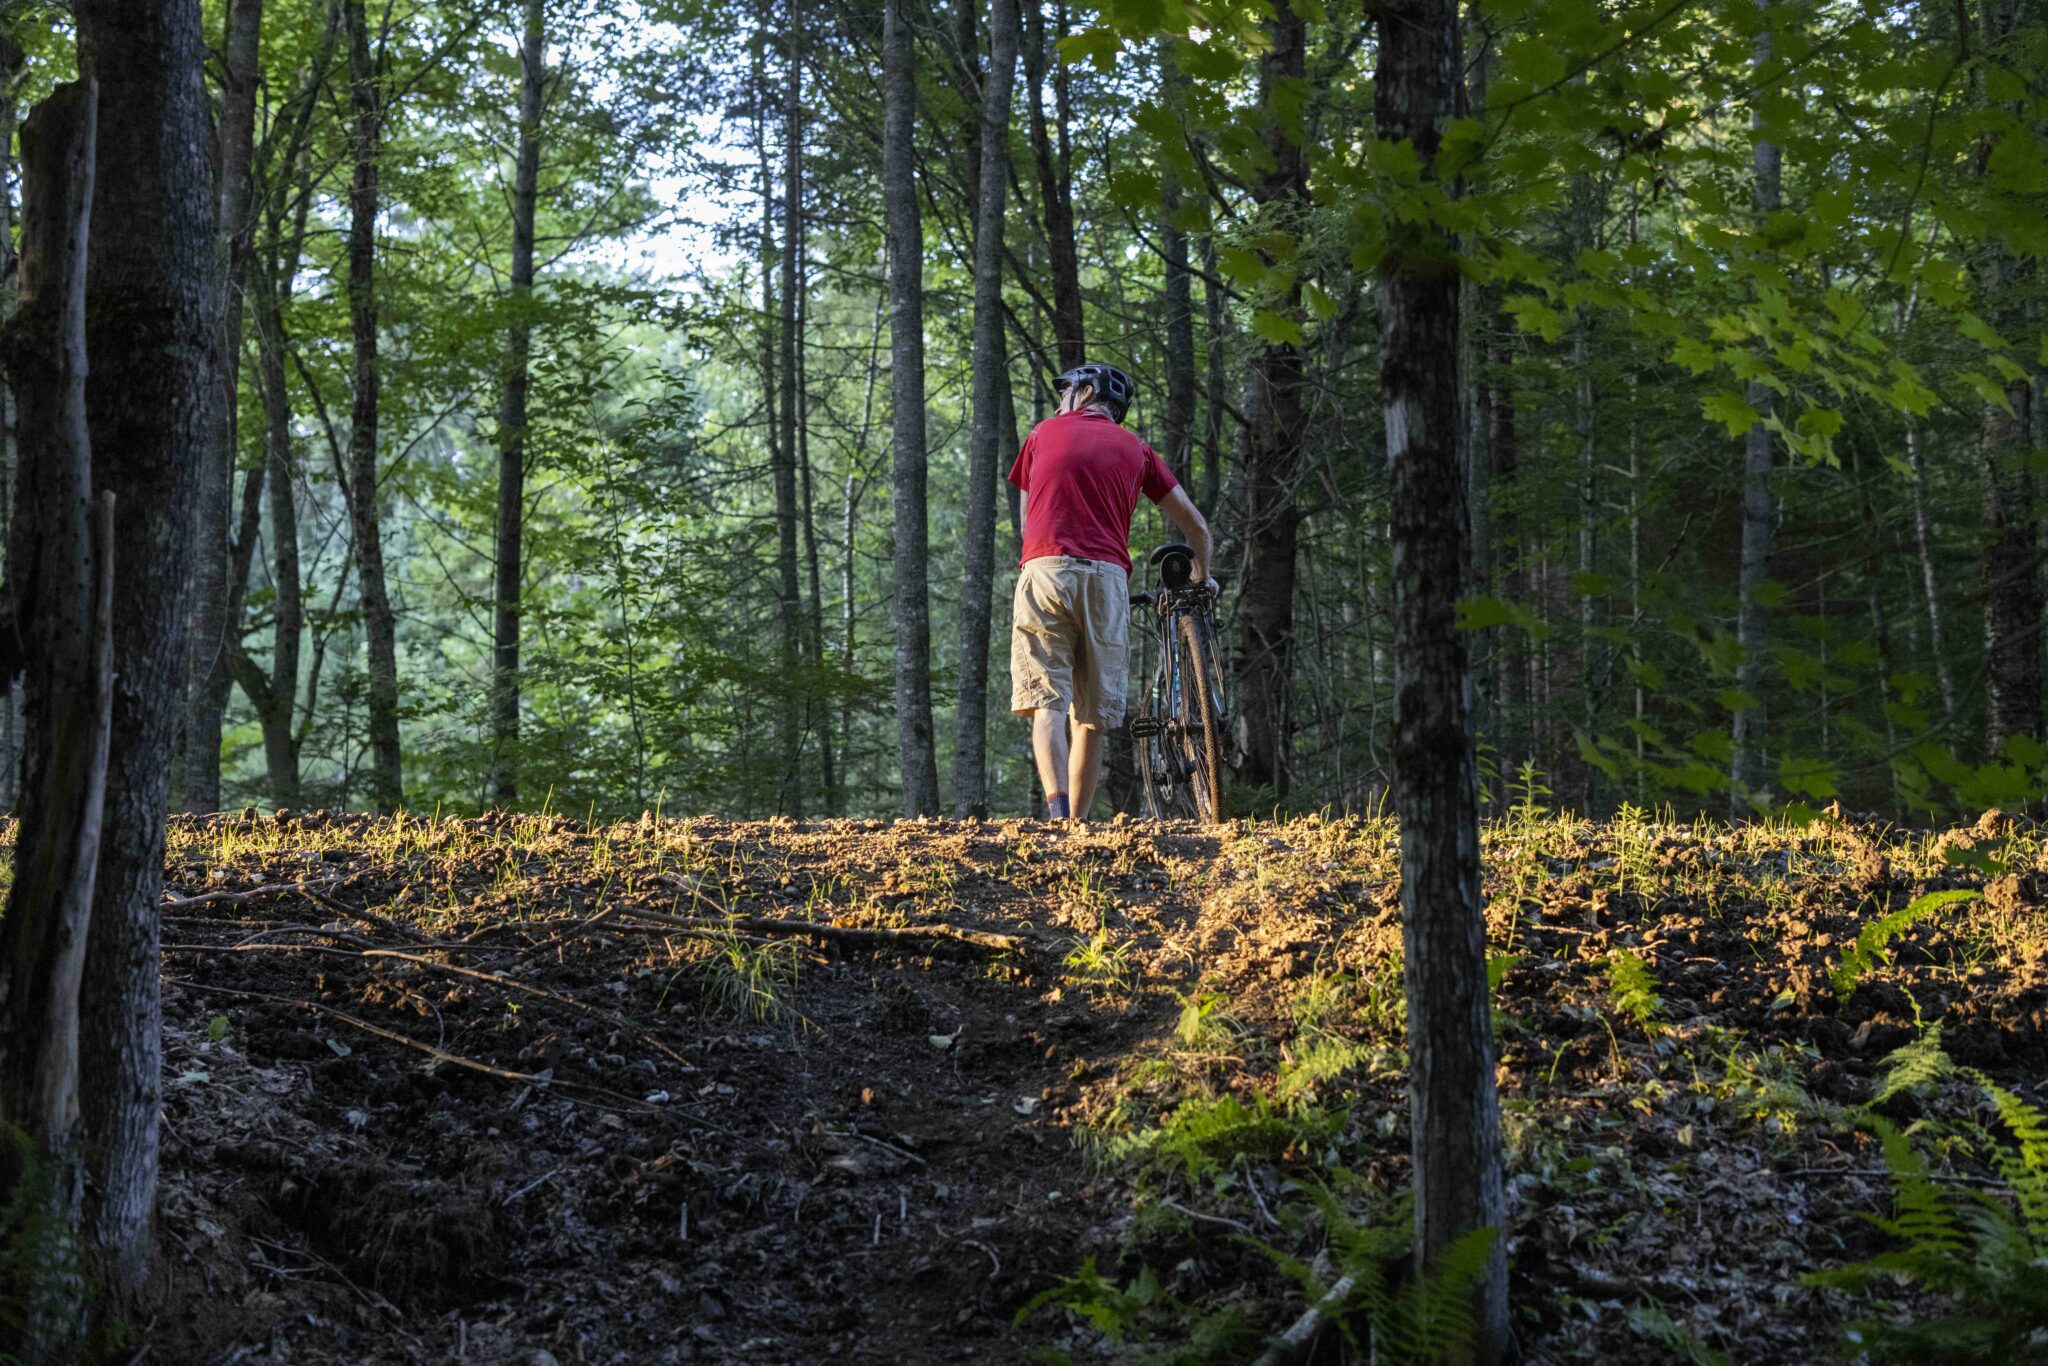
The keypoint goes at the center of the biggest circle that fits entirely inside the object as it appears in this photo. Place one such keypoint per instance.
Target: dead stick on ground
(181, 903)
(1292, 1346)
(845, 934)
(440, 1054)
(498, 979)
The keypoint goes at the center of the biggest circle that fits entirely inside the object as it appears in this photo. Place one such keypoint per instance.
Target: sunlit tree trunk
(911, 600)
(512, 416)
(970, 750)
(152, 313)
(1456, 1116)
(60, 614)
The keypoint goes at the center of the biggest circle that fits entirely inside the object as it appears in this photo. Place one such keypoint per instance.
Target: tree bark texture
(789, 602)
(60, 604)
(11, 61)
(1456, 1114)
(970, 749)
(1179, 424)
(512, 418)
(152, 315)
(214, 595)
(911, 598)
(1056, 201)
(366, 132)
(1270, 526)
(1757, 512)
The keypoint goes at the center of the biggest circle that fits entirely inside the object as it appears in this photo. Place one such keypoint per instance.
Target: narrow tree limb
(1293, 1345)
(844, 934)
(181, 903)
(438, 1054)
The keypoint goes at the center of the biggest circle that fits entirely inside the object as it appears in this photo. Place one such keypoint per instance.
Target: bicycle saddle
(1175, 563)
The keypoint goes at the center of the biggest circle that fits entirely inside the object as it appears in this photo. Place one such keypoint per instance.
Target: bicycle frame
(1165, 742)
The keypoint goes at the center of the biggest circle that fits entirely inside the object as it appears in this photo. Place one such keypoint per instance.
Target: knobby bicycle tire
(1205, 745)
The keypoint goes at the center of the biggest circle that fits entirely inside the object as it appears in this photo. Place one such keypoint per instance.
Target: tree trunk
(815, 717)
(970, 749)
(512, 417)
(789, 603)
(11, 60)
(1503, 454)
(151, 328)
(1273, 441)
(275, 696)
(214, 627)
(911, 599)
(1757, 512)
(1923, 538)
(1056, 199)
(1179, 424)
(387, 788)
(2012, 574)
(60, 604)
(1456, 1114)
(1212, 422)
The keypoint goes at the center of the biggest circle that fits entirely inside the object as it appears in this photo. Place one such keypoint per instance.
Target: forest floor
(515, 1090)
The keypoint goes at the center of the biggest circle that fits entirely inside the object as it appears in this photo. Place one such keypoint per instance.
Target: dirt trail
(468, 1097)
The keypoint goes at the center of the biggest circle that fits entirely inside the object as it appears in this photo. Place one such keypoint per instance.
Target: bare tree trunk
(151, 331)
(11, 60)
(1272, 453)
(1179, 425)
(2013, 602)
(1923, 536)
(366, 132)
(1212, 421)
(1757, 514)
(1056, 196)
(789, 599)
(816, 717)
(1456, 1124)
(214, 627)
(970, 749)
(60, 611)
(512, 419)
(1503, 453)
(911, 599)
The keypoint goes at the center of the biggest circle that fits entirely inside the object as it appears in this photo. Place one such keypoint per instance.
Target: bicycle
(1180, 724)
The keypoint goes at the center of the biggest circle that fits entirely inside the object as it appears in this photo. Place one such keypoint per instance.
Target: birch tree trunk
(911, 598)
(1456, 1115)
(1923, 537)
(1757, 507)
(512, 416)
(60, 606)
(366, 132)
(151, 332)
(970, 750)
(1179, 329)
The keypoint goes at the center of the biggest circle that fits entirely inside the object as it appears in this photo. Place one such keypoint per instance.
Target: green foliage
(1913, 1065)
(1873, 943)
(1407, 1319)
(42, 1270)
(1984, 1252)
(1651, 1323)
(1632, 991)
(1136, 1312)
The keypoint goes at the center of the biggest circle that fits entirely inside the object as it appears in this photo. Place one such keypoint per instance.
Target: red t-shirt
(1084, 473)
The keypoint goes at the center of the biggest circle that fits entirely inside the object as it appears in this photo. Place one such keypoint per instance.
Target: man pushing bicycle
(1081, 473)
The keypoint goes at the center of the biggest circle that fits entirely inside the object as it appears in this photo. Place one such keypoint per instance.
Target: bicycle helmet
(1111, 385)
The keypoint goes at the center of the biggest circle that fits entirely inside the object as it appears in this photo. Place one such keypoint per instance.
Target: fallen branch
(1292, 1346)
(438, 1054)
(269, 889)
(843, 934)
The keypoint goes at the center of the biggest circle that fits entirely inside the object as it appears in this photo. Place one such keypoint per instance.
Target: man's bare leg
(1049, 748)
(1084, 767)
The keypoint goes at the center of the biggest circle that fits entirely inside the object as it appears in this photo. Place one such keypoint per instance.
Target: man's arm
(1182, 512)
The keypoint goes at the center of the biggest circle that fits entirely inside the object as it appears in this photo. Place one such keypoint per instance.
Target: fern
(1133, 1312)
(1633, 991)
(1873, 944)
(1914, 1065)
(1204, 1135)
(1651, 1322)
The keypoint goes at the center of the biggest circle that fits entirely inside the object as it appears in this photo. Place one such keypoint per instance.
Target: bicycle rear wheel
(1201, 718)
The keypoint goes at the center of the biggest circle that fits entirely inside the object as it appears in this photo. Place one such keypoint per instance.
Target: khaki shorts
(1070, 639)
